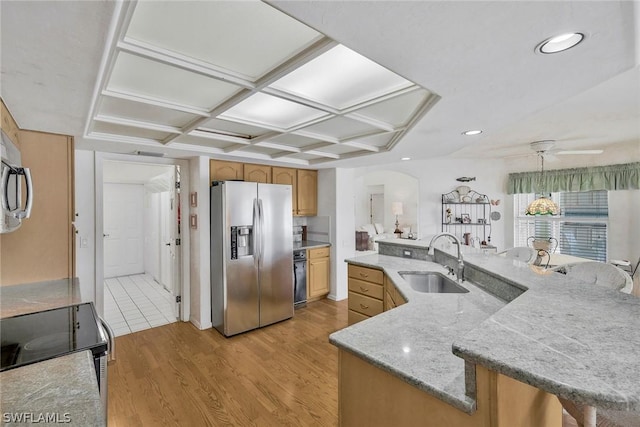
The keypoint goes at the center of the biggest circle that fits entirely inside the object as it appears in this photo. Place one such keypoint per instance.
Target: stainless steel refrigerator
(251, 255)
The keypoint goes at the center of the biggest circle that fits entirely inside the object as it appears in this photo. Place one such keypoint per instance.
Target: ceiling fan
(546, 148)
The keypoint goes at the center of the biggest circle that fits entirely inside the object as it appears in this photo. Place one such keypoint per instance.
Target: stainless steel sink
(432, 282)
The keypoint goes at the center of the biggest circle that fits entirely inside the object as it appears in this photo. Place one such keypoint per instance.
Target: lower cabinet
(392, 297)
(370, 293)
(366, 293)
(318, 272)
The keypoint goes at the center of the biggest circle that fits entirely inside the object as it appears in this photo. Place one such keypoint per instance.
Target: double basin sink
(432, 282)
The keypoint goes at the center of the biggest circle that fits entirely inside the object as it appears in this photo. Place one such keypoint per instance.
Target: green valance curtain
(612, 177)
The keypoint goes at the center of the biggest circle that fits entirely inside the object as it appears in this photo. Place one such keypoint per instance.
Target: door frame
(100, 157)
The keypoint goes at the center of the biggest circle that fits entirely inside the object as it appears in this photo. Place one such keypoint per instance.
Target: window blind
(581, 229)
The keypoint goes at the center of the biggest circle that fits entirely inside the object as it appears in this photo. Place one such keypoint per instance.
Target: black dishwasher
(300, 278)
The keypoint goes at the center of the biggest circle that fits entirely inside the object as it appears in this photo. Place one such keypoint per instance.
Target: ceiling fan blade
(579, 152)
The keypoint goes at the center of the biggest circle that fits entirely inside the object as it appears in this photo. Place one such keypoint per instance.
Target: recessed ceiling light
(559, 43)
(406, 158)
(472, 132)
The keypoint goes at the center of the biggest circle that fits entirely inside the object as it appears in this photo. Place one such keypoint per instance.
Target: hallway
(135, 303)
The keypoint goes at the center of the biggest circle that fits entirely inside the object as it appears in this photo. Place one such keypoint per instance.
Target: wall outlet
(407, 253)
(84, 242)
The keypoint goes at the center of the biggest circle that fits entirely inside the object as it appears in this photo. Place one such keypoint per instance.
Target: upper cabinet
(304, 182)
(43, 248)
(220, 170)
(307, 192)
(9, 126)
(257, 173)
(287, 176)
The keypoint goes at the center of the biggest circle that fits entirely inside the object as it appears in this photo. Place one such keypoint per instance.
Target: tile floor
(134, 303)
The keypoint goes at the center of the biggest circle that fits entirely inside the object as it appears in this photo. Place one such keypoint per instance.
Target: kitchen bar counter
(562, 336)
(64, 390)
(309, 244)
(33, 297)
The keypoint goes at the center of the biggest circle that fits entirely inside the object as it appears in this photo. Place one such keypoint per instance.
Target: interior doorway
(141, 241)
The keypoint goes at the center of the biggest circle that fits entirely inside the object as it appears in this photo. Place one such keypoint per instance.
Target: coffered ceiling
(323, 83)
(244, 79)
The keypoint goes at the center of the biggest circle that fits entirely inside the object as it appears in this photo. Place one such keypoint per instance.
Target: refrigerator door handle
(261, 216)
(256, 233)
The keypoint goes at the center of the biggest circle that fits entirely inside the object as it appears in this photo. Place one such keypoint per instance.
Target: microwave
(13, 178)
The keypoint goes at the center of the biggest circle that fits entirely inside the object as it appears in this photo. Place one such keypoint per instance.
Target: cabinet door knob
(364, 289)
(364, 307)
(364, 275)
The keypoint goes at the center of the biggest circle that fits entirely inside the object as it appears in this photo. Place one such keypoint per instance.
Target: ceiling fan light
(542, 206)
(560, 43)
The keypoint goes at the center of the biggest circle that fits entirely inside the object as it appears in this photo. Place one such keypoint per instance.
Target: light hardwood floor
(282, 375)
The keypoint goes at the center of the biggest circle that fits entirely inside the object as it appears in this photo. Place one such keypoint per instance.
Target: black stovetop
(34, 337)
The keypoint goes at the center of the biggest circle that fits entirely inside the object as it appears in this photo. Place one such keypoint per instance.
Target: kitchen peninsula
(495, 355)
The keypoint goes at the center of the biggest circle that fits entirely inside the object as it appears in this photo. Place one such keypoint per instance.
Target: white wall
(397, 187)
(152, 234)
(199, 245)
(336, 199)
(85, 223)
(438, 176)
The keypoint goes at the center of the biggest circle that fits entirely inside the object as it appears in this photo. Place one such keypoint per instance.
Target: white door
(123, 229)
(170, 252)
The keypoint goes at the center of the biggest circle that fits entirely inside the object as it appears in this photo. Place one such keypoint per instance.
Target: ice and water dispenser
(241, 241)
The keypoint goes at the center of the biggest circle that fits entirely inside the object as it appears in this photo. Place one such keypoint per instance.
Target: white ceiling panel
(338, 149)
(143, 112)
(233, 128)
(114, 129)
(204, 142)
(245, 37)
(295, 140)
(267, 151)
(136, 75)
(341, 128)
(399, 110)
(272, 111)
(341, 78)
(382, 140)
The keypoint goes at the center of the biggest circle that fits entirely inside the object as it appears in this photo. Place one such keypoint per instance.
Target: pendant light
(542, 205)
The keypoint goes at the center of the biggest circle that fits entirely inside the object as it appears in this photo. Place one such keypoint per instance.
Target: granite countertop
(65, 388)
(33, 297)
(413, 341)
(309, 244)
(569, 338)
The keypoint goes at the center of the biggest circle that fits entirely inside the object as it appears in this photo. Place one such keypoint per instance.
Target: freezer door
(234, 278)
(276, 253)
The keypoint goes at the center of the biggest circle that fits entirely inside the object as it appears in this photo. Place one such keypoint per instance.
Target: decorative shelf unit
(467, 213)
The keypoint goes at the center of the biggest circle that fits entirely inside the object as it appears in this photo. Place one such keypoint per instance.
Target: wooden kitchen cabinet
(221, 170)
(9, 125)
(43, 247)
(319, 267)
(307, 192)
(287, 176)
(392, 298)
(257, 173)
(366, 293)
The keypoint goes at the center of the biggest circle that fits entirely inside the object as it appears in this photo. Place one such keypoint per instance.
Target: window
(580, 229)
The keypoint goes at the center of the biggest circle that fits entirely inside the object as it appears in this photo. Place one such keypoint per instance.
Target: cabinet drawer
(366, 288)
(364, 305)
(364, 273)
(319, 252)
(355, 317)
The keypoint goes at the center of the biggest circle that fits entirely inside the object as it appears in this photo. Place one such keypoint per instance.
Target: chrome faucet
(460, 272)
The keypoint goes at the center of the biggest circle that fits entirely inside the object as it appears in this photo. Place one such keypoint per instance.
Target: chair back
(521, 253)
(549, 244)
(600, 274)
